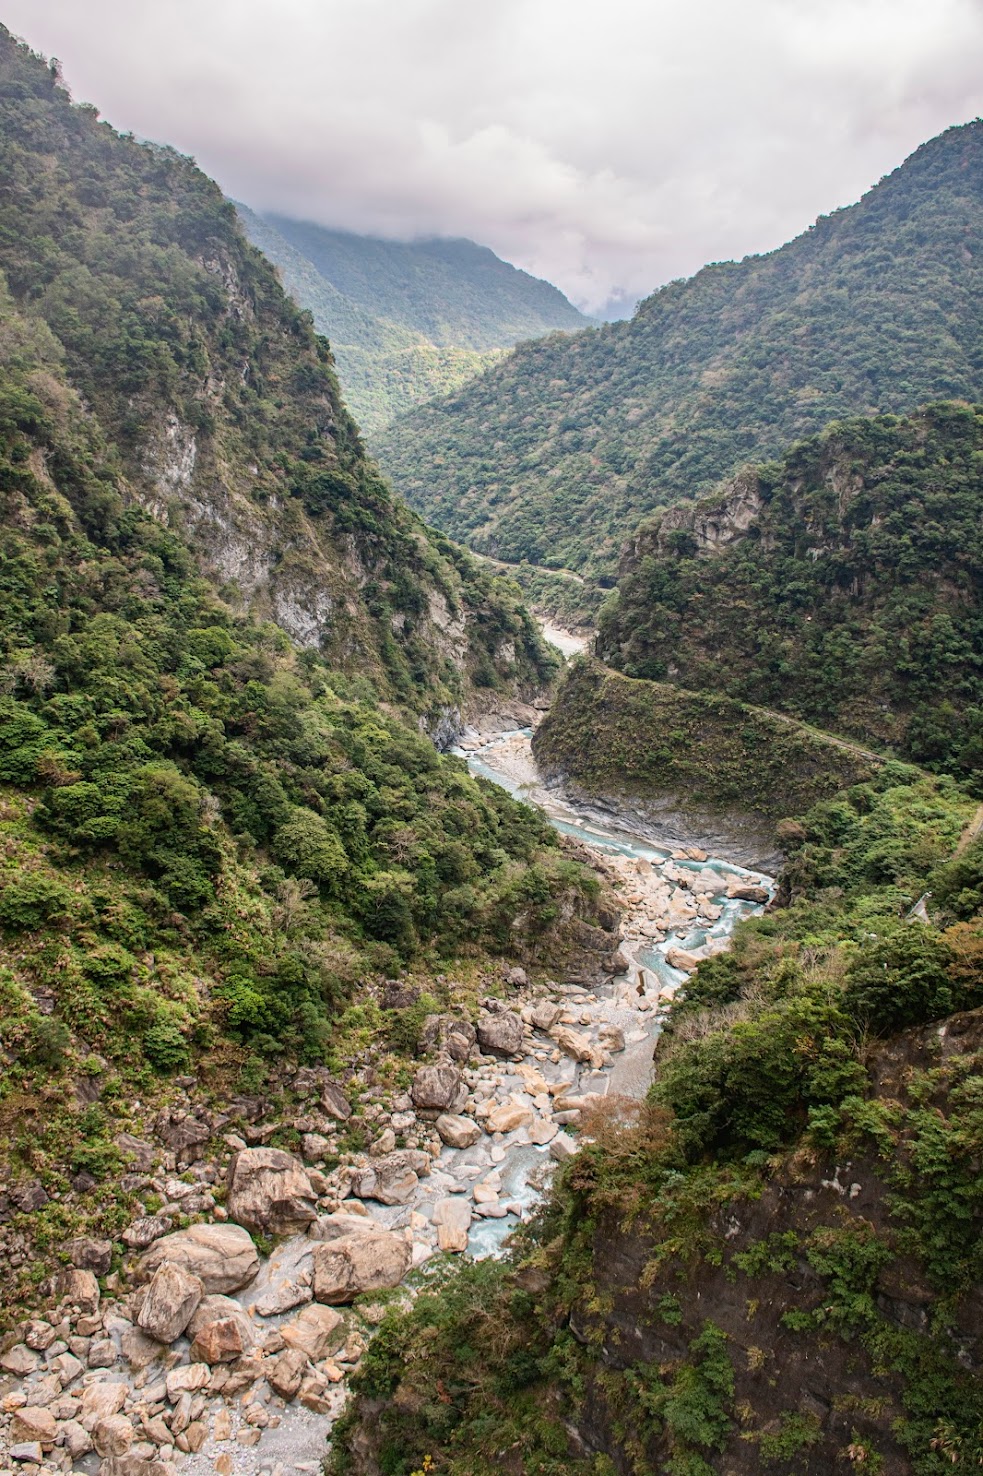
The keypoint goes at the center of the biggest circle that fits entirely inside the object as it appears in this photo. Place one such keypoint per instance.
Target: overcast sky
(604, 144)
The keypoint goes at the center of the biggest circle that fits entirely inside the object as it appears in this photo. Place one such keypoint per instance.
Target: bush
(901, 979)
(26, 902)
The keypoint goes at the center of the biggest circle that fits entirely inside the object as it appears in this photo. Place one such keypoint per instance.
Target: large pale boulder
(508, 1117)
(457, 1132)
(269, 1190)
(97, 1401)
(545, 1014)
(223, 1257)
(345, 1268)
(169, 1303)
(392, 1179)
(452, 1218)
(438, 1089)
(113, 1435)
(315, 1332)
(575, 1043)
(501, 1034)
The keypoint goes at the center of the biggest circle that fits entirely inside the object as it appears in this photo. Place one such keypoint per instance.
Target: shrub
(28, 901)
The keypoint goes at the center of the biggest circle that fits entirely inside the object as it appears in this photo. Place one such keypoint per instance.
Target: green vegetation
(407, 320)
(840, 585)
(818, 1187)
(615, 735)
(557, 453)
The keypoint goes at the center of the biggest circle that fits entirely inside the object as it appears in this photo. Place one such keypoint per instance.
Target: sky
(609, 147)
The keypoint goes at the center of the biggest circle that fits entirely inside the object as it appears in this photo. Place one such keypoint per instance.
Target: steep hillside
(842, 585)
(223, 407)
(407, 320)
(558, 452)
(773, 1265)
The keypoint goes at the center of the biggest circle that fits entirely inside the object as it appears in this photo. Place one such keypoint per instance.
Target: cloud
(609, 148)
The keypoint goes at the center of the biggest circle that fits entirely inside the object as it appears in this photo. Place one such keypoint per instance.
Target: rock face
(501, 1035)
(269, 1190)
(223, 1257)
(170, 1302)
(345, 1268)
(392, 1179)
(457, 1132)
(437, 1089)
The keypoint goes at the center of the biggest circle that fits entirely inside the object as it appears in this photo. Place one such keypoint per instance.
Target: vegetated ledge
(694, 765)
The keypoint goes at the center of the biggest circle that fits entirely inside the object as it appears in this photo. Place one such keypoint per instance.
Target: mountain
(221, 826)
(842, 584)
(555, 454)
(407, 320)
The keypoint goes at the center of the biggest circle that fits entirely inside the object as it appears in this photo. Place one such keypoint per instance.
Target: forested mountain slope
(407, 320)
(555, 454)
(222, 406)
(842, 584)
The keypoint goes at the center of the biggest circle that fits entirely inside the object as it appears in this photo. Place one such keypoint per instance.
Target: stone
(682, 959)
(335, 1103)
(313, 1147)
(145, 1230)
(457, 1132)
(501, 1034)
(545, 1014)
(27, 1450)
(19, 1360)
(32, 1423)
(437, 1088)
(222, 1425)
(543, 1131)
(102, 1353)
(575, 1044)
(79, 1288)
(113, 1435)
(285, 1377)
(141, 1154)
(138, 1349)
(452, 1218)
(187, 1378)
(392, 1179)
(563, 1147)
(100, 1400)
(269, 1190)
(29, 1196)
(747, 892)
(285, 1297)
(170, 1302)
(345, 1268)
(221, 1341)
(88, 1254)
(314, 1332)
(76, 1440)
(508, 1117)
(613, 1038)
(460, 1039)
(66, 1367)
(223, 1257)
(354, 1219)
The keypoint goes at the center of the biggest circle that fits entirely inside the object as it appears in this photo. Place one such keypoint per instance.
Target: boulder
(76, 1439)
(343, 1222)
(345, 1268)
(573, 1042)
(223, 1257)
(34, 1423)
(681, 958)
(452, 1218)
(747, 892)
(563, 1147)
(188, 1378)
(545, 1014)
(79, 1288)
(457, 1132)
(335, 1103)
(613, 1038)
(113, 1435)
(138, 1349)
(145, 1230)
(392, 1179)
(313, 1147)
(98, 1401)
(315, 1332)
(284, 1378)
(20, 1360)
(438, 1089)
(88, 1254)
(501, 1034)
(28, 1451)
(461, 1037)
(169, 1303)
(133, 1463)
(215, 1309)
(543, 1131)
(508, 1117)
(221, 1341)
(269, 1190)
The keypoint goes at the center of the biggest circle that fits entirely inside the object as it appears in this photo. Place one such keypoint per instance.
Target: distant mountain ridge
(556, 453)
(407, 320)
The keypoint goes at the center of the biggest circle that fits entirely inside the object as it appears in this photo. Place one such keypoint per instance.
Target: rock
(345, 1268)
(133, 1463)
(170, 1302)
(223, 1257)
(88, 1254)
(142, 1155)
(452, 1218)
(461, 1037)
(501, 1034)
(543, 1131)
(314, 1332)
(113, 1435)
(145, 1231)
(508, 1117)
(66, 1367)
(545, 1014)
(284, 1378)
(681, 958)
(102, 1353)
(457, 1132)
(98, 1401)
(79, 1288)
(313, 1147)
(188, 1378)
(215, 1309)
(437, 1089)
(392, 1179)
(385, 1143)
(29, 1196)
(27, 1450)
(517, 978)
(575, 1044)
(284, 1298)
(269, 1190)
(33, 1423)
(138, 1349)
(343, 1222)
(563, 1147)
(221, 1341)
(77, 1441)
(335, 1103)
(19, 1360)
(613, 1038)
